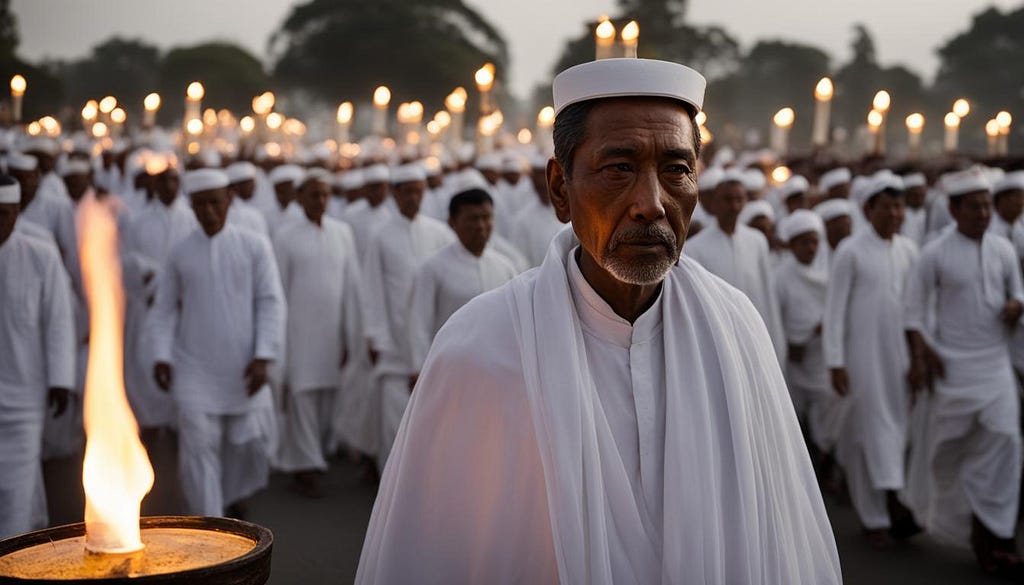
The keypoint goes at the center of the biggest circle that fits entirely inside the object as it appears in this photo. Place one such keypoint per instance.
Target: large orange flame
(117, 473)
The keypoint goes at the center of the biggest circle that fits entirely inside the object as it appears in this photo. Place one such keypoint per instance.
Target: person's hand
(374, 354)
(57, 399)
(255, 375)
(412, 381)
(163, 374)
(1011, 311)
(796, 353)
(839, 381)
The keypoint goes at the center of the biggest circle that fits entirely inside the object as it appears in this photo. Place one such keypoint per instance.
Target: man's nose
(646, 197)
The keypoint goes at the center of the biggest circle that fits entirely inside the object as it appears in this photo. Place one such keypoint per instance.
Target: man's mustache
(653, 233)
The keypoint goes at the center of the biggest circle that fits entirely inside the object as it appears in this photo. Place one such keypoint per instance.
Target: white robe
(544, 427)
(365, 221)
(972, 451)
(533, 229)
(742, 260)
(37, 352)
(245, 216)
(446, 282)
(915, 225)
(863, 332)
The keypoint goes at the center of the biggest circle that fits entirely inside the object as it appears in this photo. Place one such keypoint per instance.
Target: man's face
(77, 185)
(837, 229)
(313, 199)
(46, 160)
(885, 212)
(491, 175)
(211, 209)
(408, 196)
(473, 225)
(1010, 205)
(804, 247)
(972, 213)
(353, 195)
(766, 226)
(29, 181)
(729, 200)
(633, 187)
(166, 185)
(511, 177)
(916, 196)
(797, 201)
(8, 217)
(434, 181)
(840, 191)
(375, 193)
(243, 189)
(285, 192)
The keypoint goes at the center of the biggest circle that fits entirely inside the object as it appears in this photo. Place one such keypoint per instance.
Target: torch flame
(116, 473)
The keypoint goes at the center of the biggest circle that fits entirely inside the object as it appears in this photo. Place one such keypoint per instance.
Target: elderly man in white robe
(37, 361)
(739, 254)
(218, 322)
(395, 253)
(617, 415)
(321, 278)
(536, 224)
(973, 448)
(867, 356)
(458, 273)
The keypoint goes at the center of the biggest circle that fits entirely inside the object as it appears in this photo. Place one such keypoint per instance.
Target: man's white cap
(881, 181)
(287, 173)
(209, 158)
(432, 166)
(608, 78)
(74, 166)
(755, 209)
(914, 180)
(966, 181)
(10, 193)
(19, 161)
(512, 164)
(377, 173)
(408, 173)
(43, 144)
(317, 174)
(833, 208)
(796, 185)
(351, 180)
(754, 180)
(834, 178)
(800, 222)
(488, 162)
(1010, 182)
(201, 180)
(710, 178)
(241, 171)
(732, 175)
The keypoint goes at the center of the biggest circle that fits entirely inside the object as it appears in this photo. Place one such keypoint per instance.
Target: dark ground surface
(318, 541)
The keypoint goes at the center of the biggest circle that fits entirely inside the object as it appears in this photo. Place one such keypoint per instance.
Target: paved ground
(318, 541)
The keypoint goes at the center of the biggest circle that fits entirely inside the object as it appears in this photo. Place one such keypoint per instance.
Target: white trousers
(869, 500)
(22, 494)
(394, 397)
(307, 420)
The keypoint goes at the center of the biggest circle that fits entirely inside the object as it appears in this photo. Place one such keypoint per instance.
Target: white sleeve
(163, 317)
(840, 284)
(374, 298)
(422, 314)
(57, 318)
(269, 303)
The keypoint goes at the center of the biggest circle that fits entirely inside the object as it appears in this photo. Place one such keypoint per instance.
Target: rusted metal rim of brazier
(252, 568)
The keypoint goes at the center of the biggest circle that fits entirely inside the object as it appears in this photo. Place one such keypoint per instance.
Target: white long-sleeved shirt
(244, 215)
(365, 221)
(219, 305)
(801, 291)
(533, 229)
(149, 238)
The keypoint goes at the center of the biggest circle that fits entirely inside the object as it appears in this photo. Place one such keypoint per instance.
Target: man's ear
(558, 190)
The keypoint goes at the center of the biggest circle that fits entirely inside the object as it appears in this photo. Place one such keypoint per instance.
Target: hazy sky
(906, 31)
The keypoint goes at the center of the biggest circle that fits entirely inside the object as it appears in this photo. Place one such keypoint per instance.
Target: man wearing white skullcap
(217, 323)
(536, 225)
(793, 194)
(972, 450)
(1008, 204)
(393, 255)
(366, 216)
(37, 358)
(867, 355)
(740, 254)
(321, 279)
(616, 415)
(760, 215)
(242, 185)
(835, 184)
(54, 214)
(915, 214)
(706, 184)
(285, 180)
(837, 216)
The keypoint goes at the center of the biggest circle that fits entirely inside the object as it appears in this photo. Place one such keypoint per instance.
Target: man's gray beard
(635, 273)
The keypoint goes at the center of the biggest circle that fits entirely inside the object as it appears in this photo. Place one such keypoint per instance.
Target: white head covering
(800, 222)
(377, 173)
(488, 162)
(834, 178)
(287, 173)
(755, 209)
(754, 179)
(732, 175)
(914, 180)
(317, 174)
(408, 173)
(794, 186)
(74, 166)
(241, 171)
(512, 164)
(966, 181)
(432, 166)
(22, 162)
(710, 178)
(877, 183)
(42, 144)
(10, 193)
(608, 78)
(209, 158)
(1010, 181)
(352, 179)
(833, 208)
(201, 180)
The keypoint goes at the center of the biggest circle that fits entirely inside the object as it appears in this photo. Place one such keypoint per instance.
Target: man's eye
(679, 169)
(619, 167)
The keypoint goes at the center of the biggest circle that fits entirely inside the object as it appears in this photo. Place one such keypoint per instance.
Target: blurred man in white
(461, 271)
(915, 216)
(37, 361)
(218, 322)
(320, 273)
(366, 215)
(617, 415)
(973, 450)
(395, 253)
(241, 212)
(866, 353)
(536, 224)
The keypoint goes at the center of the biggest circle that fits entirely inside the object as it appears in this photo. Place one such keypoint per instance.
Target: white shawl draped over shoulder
(505, 470)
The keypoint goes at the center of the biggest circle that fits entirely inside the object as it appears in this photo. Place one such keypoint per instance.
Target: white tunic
(544, 427)
(446, 282)
(742, 260)
(320, 276)
(365, 221)
(245, 216)
(58, 217)
(394, 254)
(863, 332)
(533, 229)
(915, 224)
(219, 305)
